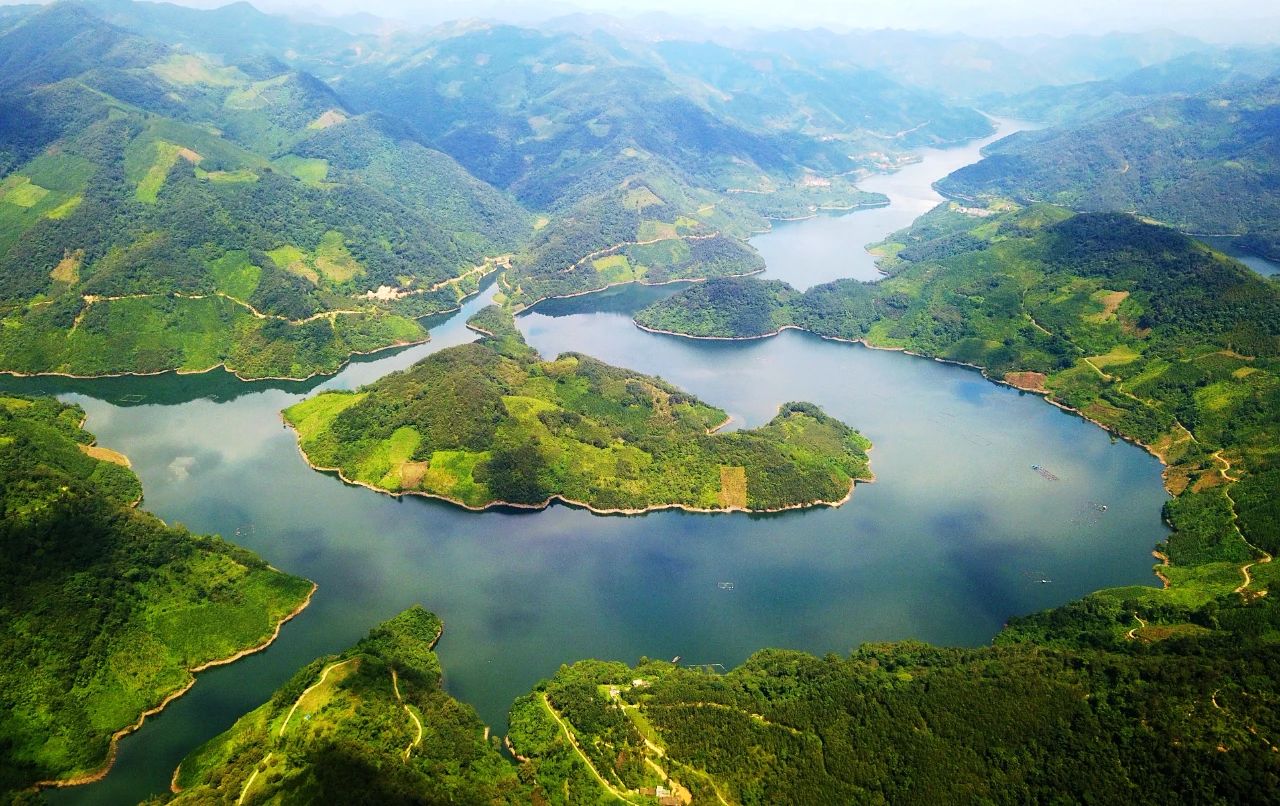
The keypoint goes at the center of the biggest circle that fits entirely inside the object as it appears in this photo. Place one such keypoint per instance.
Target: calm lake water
(818, 250)
(1263, 266)
(957, 534)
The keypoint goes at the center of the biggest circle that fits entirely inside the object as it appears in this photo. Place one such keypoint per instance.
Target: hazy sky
(1205, 17)
(1245, 20)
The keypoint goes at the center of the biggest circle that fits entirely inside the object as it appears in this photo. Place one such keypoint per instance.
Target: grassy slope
(104, 608)
(370, 725)
(490, 422)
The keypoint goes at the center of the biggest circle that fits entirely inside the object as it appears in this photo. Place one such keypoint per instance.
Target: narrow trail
(1264, 556)
(483, 269)
(1133, 633)
(1213, 698)
(248, 785)
(244, 791)
(395, 685)
(311, 688)
(613, 790)
(609, 250)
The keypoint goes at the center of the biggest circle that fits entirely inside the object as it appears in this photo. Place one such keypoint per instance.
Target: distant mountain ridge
(1207, 163)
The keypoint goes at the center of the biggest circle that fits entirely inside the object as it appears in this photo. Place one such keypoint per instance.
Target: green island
(1137, 327)
(491, 423)
(105, 611)
(372, 724)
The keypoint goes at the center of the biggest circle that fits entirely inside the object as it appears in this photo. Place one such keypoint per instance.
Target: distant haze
(1220, 20)
(1244, 20)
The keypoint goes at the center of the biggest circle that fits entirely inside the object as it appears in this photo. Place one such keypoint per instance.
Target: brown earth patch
(106, 455)
(412, 474)
(1110, 304)
(68, 269)
(1029, 381)
(733, 486)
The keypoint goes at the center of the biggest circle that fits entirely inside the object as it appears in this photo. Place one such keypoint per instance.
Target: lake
(957, 534)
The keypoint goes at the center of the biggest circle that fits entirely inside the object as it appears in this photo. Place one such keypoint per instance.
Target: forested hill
(103, 608)
(1206, 164)
(492, 423)
(159, 210)
(1198, 72)
(370, 725)
(1141, 721)
(636, 178)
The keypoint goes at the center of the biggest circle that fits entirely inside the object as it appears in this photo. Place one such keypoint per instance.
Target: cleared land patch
(733, 487)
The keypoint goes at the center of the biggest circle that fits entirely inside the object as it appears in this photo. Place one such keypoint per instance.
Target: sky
(1214, 20)
(1221, 19)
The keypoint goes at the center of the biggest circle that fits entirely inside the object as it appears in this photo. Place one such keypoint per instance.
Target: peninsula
(105, 611)
(491, 423)
(371, 724)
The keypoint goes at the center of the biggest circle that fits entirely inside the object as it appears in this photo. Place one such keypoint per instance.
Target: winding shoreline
(13, 373)
(525, 308)
(114, 747)
(337, 471)
(1045, 394)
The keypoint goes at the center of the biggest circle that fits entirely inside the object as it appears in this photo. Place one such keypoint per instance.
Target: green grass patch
(235, 276)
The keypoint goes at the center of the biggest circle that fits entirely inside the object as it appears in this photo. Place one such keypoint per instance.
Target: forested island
(493, 423)
(105, 611)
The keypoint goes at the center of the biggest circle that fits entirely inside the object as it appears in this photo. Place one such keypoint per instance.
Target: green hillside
(104, 610)
(617, 143)
(1205, 164)
(1142, 721)
(370, 725)
(491, 423)
(166, 212)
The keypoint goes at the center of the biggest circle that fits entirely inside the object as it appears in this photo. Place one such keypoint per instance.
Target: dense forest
(104, 609)
(492, 423)
(370, 725)
(1142, 721)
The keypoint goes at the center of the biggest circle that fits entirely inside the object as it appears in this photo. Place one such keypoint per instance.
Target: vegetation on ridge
(370, 725)
(492, 423)
(103, 608)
